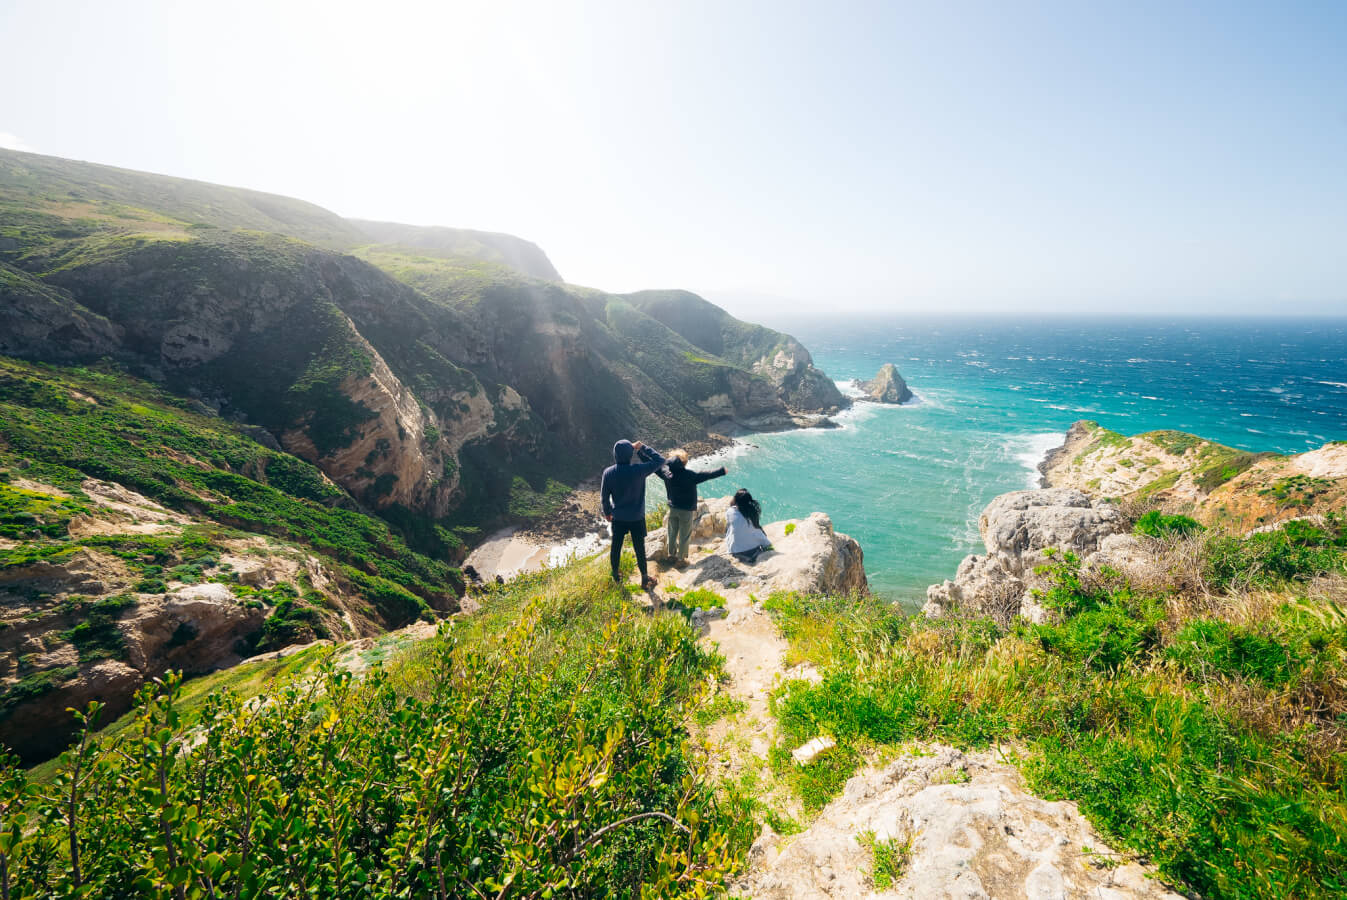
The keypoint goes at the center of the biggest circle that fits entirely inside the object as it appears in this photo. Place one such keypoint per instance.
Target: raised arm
(707, 476)
(653, 460)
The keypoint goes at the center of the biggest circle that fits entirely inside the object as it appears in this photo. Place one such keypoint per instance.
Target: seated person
(743, 530)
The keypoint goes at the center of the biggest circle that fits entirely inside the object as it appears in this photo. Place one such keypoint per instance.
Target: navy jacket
(680, 483)
(622, 490)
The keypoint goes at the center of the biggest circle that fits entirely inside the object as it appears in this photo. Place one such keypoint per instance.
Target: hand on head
(637, 445)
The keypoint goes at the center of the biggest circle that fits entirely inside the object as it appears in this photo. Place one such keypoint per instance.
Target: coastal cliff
(1183, 473)
(430, 372)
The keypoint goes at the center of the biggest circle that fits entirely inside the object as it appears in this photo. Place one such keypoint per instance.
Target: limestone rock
(1017, 527)
(887, 386)
(972, 831)
(1017, 531)
(811, 750)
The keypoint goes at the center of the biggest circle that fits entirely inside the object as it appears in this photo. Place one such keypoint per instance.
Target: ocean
(993, 396)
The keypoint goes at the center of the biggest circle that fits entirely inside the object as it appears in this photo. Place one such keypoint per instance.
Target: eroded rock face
(1017, 527)
(887, 386)
(1017, 531)
(198, 628)
(76, 627)
(974, 833)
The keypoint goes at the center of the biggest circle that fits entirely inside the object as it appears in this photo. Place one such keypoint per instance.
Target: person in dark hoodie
(622, 493)
(680, 483)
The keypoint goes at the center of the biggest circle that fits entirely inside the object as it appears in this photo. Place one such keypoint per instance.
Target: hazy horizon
(1047, 159)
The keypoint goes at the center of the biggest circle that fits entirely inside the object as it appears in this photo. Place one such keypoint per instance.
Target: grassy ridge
(538, 749)
(1209, 735)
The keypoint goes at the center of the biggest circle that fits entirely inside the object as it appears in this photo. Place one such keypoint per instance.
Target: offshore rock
(887, 386)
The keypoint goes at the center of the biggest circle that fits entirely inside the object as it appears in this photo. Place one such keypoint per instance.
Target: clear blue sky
(932, 157)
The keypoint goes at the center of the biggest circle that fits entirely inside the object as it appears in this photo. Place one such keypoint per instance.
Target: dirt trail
(958, 824)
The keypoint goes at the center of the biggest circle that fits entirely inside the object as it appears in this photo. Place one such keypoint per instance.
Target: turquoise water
(909, 482)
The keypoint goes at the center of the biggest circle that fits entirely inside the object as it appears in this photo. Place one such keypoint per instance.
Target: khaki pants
(678, 524)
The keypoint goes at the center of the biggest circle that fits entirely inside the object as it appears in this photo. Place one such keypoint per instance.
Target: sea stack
(887, 386)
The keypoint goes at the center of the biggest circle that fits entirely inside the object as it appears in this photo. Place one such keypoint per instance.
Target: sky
(836, 156)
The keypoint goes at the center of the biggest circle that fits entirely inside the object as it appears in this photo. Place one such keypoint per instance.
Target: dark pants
(621, 530)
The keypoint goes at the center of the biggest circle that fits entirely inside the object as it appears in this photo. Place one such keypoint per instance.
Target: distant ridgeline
(438, 374)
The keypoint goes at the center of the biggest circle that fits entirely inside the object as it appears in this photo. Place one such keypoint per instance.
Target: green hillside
(426, 375)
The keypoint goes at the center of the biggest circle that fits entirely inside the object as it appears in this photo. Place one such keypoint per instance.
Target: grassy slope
(43, 192)
(1204, 727)
(541, 744)
(134, 434)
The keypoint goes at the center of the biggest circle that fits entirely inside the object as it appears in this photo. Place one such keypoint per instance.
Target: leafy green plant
(540, 751)
(702, 598)
(889, 859)
(1156, 524)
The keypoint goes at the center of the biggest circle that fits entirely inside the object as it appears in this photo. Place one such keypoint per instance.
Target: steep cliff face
(776, 356)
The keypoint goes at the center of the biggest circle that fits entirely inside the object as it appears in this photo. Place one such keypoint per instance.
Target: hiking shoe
(648, 583)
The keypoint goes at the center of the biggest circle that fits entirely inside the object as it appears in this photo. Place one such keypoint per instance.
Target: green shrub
(1156, 524)
(1207, 648)
(1113, 714)
(702, 598)
(540, 751)
(1296, 551)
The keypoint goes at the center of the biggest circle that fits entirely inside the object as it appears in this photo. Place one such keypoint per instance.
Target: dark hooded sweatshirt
(622, 490)
(681, 483)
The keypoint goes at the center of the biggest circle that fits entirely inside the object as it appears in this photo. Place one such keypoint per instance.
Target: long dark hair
(748, 507)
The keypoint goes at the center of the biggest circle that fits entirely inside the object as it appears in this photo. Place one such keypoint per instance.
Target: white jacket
(740, 534)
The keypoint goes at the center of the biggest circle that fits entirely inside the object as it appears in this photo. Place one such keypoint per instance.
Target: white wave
(849, 388)
(1334, 384)
(1148, 397)
(1029, 449)
(575, 548)
(725, 455)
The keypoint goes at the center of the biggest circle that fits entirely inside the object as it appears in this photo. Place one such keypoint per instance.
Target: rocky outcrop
(35, 316)
(970, 830)
(811, 558)
(1017, 529)
(887, 386)
(778, 357)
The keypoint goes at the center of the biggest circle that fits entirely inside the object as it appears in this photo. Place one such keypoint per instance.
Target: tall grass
(1206, 734)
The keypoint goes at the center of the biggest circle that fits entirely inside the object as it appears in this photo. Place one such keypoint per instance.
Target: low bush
(538, 750)
(1157, 524)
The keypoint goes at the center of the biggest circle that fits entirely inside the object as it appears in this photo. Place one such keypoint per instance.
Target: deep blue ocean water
(909, 482)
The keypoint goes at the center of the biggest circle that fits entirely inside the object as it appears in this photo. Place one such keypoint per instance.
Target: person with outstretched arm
(680, 484)
(622, 493)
